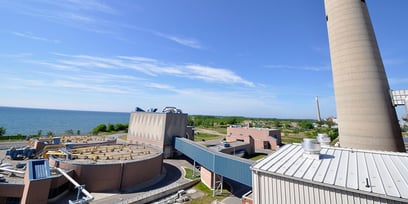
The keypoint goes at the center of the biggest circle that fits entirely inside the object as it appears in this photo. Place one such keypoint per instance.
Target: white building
(336, 175)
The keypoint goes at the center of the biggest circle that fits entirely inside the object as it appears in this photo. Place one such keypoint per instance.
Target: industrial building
(99, 165)
(262, 138)
(310, 174)
(159, 128)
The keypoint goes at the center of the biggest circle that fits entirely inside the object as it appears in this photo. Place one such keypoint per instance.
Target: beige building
(367, 118)
(262, 138)
(158, 129)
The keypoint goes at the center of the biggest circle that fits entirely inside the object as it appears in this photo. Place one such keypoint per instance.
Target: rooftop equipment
(323, 139)
(311, 148)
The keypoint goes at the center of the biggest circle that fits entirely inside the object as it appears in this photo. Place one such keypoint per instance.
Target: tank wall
(138, 172)
(108, 177)
(11, 190)
(98, 178)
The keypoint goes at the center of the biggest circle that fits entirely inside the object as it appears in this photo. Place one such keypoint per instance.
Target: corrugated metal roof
(386, 172)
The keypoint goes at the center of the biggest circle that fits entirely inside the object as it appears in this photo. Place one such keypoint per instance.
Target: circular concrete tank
(113, 167)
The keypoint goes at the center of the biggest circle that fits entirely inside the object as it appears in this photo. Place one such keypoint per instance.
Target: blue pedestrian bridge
(226, 165)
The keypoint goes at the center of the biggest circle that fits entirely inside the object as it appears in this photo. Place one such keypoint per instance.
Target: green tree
(99, 128)
(120, 127)
(2, 131)
(69, 132)
(39, 133)
(110, 128)
(305, 124)
(78, 132)
(50, 134)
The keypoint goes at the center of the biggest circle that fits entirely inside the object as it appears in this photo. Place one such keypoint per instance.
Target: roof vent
(323, 139)
(311, 148)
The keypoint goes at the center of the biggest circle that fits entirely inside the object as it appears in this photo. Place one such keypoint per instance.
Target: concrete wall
(11, 190)
(35, 191)
(366, 117)
(8, 190)
(139, 172)
(147, 128)
(157, 129)
(207, 177)
(263, 138)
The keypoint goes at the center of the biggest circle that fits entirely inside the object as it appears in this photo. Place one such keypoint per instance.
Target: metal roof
(385, 172)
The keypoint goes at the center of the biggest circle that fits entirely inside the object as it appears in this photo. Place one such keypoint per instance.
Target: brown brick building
(263, 138)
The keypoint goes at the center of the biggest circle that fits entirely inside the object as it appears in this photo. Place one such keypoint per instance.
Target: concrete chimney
(318, 109)
(367, 119)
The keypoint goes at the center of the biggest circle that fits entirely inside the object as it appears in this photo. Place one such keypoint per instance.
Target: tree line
(110, 128)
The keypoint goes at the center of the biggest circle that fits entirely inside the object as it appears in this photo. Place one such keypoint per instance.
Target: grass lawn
(123, 137)
(208, 198)
(205, 136)
(255, 156)
(189, 174)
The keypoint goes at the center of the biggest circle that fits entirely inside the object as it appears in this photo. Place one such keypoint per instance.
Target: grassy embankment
(208, 193)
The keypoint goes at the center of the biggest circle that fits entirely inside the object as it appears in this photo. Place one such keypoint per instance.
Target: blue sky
(265, 58)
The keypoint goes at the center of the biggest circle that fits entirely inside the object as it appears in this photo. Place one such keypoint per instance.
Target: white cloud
(78, 18)
(34, 37)
(151, 67)
(216, 75)
(92, 5)
(188, 42)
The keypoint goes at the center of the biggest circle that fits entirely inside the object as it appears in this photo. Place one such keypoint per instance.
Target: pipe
(88, 195)
(12, 171)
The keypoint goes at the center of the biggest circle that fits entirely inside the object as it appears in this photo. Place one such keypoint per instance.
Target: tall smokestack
(318, 109)
(367, 119)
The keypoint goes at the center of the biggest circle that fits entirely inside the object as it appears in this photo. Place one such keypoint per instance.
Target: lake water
(28, 121)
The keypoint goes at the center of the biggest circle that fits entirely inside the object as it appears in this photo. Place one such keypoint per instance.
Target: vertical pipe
(213, 175)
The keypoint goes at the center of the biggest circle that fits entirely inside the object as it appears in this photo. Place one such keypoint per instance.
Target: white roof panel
(396, 176)
(388, 183)
(341, 176)
(385, 172)
(362, 173)
(321, 172)
(332, 169)
(352, 174)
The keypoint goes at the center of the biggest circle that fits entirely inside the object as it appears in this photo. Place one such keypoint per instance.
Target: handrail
(12, 171)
